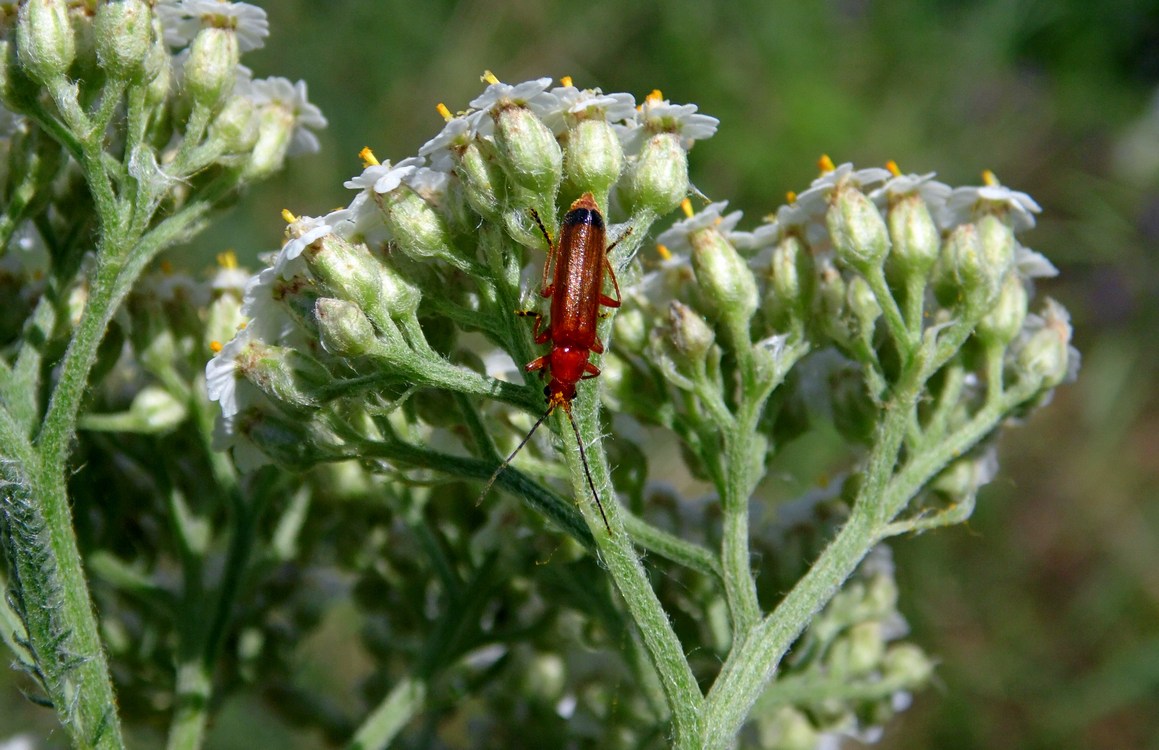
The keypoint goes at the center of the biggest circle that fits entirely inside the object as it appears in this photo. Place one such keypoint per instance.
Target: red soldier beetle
(579, 261)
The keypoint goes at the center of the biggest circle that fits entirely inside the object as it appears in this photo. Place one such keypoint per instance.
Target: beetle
(573, 278)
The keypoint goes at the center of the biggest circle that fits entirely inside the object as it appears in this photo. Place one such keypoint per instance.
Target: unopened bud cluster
(878, 267)
(856, 642)
(443, 236)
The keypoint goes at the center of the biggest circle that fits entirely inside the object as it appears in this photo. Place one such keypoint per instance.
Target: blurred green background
(1044, 609)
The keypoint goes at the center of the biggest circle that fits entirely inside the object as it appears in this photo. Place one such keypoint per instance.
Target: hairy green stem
(617, 552)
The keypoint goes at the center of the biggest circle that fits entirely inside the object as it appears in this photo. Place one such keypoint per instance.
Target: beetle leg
(605, 300)
(547, 288)
(541, 337)
(590, 371)
(536, 364)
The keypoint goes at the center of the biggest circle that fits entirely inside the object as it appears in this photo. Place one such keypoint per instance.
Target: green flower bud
(831, 298)
(1004, 320)
(631, 330)
(44, 39)
(1046, 354)
(123, 32)
(592, 157)
(157, 411)
(863, 304)
(964, 280)
(545, 677)
(274, 132)
(291, 443)
(724, 277)
(859, 651)
(528, 149)
(789, 729)
(657, 179)
(793, 279)
(857, 229)
(907, 663)
(298, 295)
(351, 273)
(915, 237)
(289, 377)
(998, 247)
(483, 183)
(211, 68)
(344, 330)
(881, 596)
(690, 335)
(416, 228)
(236, 126)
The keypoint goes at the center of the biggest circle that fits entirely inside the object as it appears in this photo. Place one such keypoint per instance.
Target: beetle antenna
(583, 459)
(507, 461)
(587, 472)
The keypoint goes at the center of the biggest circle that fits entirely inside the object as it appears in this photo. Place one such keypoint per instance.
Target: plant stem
(617, 552)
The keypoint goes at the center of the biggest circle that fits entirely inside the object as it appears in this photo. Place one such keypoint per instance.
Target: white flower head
(384, 177)
(291, 97)
(932, 192)
(965, 204)
(455, 136)
(678, 238)
(658, 115)
(498, 94)
(1033, 265)
(302, 232)
(569, 105)
(182, 19)
(223, 379)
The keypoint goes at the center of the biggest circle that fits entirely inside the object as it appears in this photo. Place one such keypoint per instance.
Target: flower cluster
(341, 299)
(891, 306)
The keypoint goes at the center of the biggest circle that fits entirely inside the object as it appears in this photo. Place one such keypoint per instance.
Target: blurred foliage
(1044, 609)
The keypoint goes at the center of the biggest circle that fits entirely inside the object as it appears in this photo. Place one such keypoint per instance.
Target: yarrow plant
(370, 378)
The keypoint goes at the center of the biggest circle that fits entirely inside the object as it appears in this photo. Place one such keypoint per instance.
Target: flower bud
(859, 651)
(998, 246)
(528, 148)
(657, 180)
(863, 304)
(344, 330)
(483, 183)
(1004, 320)
(915, 237)
(857, 229)
(690, 335)
(45, 40)
(631, 330)
(964, 279)
(291, 443)
(724, 277)
(123, 33)
(289, 377)
(831, 298)
(1046, 353)
(789, 729)
(211, 68)
(793, 278)
(158, 72)
(351, 273)
(298, 295)
(593, 157)
(156, 410)
(236, 126)
(908, 663)
(416, 228)
(275, 131)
